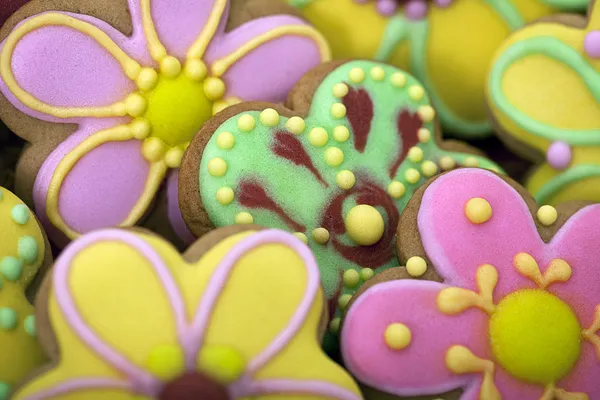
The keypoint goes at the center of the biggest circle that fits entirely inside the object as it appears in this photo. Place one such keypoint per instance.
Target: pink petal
(420, 368)
(268, 72)
(584, 378)
(66, 68)
(457, 247)
(179, 23)
(174, 212)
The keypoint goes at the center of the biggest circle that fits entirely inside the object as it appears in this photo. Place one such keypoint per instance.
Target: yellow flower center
(535, 336)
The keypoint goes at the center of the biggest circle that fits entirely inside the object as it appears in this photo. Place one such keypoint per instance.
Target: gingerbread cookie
(507, 305)
(336, 168)
(237, 317)
(24, 254)
(446, 44)
(542, 94)
(137, 99)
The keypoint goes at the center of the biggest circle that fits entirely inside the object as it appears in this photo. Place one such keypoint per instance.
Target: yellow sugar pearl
(136, 105)
(174, 157)
(398, 79)
(334, 325)
(344, 300)
(416, 93)
(244, 218)
(351, 278)
(366, 274)
(214, 88)
(396, 189)
(416, 266)
(471, 162)
(397, 336)
(318, 137)
(225, 140)
(296, 125)
(345, 179)
(217, 167)
(341, 133)
(415, 154)
(320, 235)
(478, 210)
(429, 168)
(412, 176)
(246, 123)
(377, 73)
(222, 363)
(141, 128)
(547, 215)
(424, 135)
(447, 163)
(426, 113)
(340, 90)
(170, 67)
(147, 79)
(195, 70)
(269, 117)
(334, 156)
(301, 236)
(154, 149)
(225, 195)
(356, 75)
(166, 362)
(364, 225)
(338, 110)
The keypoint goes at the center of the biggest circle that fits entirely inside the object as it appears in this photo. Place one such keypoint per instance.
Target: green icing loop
(5, 389)
(568, 177)
(509, 13)
(20, 214)
(11, 268)
(29, 325)
(572, 5)
(557, 50)
(8, 318)
(299, 3)
(28, 249)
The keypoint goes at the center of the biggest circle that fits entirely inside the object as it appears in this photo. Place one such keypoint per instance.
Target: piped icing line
(78, 385)
(561, 181)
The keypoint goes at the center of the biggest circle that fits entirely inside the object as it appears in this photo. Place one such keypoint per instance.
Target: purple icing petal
(416, 9)
(591, 44)
(443, 3)
(320, 389)
(387, 7)
(559, 155)
(174, 212)
(80, 385)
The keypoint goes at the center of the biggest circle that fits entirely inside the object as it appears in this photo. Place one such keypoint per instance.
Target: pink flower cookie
(237, 317)
(510, 308)
(136, 100)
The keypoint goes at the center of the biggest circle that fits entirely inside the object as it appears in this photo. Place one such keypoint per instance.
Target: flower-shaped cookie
(23, 253)
(446, 44)
(132, 318)
(337, 170)
(138, 100)
(517, 314)
(543, 93)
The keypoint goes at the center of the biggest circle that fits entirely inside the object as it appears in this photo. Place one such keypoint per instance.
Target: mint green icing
(5, 390)
(299, 3)
(11, 268)
(29, 325)
(568, 5)
(1, 195)
(8, 318)
(296, 189)
(20, 214)
(397, 30)
(556, 50)
(562, 181)
(28, 249)
(508, 12)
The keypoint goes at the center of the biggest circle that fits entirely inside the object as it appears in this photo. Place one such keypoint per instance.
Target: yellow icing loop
(199, 47)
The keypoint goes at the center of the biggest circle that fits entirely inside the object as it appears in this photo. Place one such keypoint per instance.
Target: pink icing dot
(387, 7)
(415, 9)
(443, 3)
(591, 43)
(559, 155)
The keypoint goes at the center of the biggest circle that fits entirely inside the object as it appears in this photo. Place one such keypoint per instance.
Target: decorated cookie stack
(248, 199)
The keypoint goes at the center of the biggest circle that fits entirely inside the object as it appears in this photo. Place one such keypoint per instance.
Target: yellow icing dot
(366, 274)
(471, 162)
(547, 215)
(344, 300)
(296, 125)
(170, 67)
(447, 162)
(166, 362)
(424, 135)
(356, 75)
(141, 128)
(398, 79)
(426, 113)
(364, 225)
(340, 90)
(338, 110)
(244, 218)
(415, 154)
(416, 266)
(219, 106)
(217, 167)
(396, 189)
(246, 123)
(334, 325)
(222, 363)
(412, 175)
(225, 195)
(478, 210)
(301, 236)
(269, 117)
(416, 93)
(154, 149)
(195, 70)
(136, 105)
(174, 157)
(320, 235)
(334, 156)
(351, 278)
(429, 168)
(341, 133)
(214, 88)
(535, 336)
(225, 140)
(377, 73)
(147, 79)
(345, 179)
(397, 336)
(318, 137)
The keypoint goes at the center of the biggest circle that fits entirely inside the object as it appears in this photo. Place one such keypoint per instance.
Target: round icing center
(193, 386)
(535, 336)
(176, 109)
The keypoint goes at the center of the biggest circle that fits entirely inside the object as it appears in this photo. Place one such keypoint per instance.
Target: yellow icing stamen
(456, 300)
(147, 79)
(591, 334)
(199, 47)
(220, 66)
(222, 363)
(170, 67)
(461, 360)
(558, 270)
(214, 88)
(195, 70)
(552, 393)
(131, 67)
(155, 47)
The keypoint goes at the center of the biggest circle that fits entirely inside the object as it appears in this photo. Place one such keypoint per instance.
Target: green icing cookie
(338, 177)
